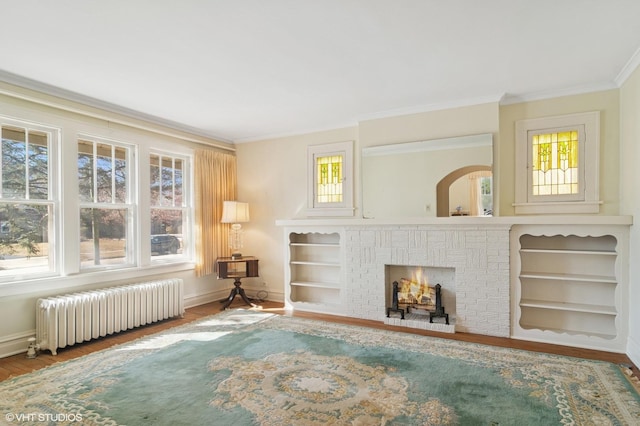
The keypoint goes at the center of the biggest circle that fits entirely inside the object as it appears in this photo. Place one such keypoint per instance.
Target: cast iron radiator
(79, 317)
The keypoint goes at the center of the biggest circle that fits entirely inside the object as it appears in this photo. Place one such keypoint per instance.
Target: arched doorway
(442, 188)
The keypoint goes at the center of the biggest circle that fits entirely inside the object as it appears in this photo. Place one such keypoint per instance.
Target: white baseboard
(252, 292)
(15, 343)
(633, 351)
(201, 299)
(255, 292)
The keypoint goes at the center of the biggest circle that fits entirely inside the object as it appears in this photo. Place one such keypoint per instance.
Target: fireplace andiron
(394, 305)
(439, 312)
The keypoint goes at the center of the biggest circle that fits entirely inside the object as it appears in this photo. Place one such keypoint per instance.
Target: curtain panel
(215, 182)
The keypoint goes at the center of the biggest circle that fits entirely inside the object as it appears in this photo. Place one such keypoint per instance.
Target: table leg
(237, 290)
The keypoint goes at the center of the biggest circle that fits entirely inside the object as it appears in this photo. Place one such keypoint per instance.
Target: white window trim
(131, 204)
(331, 209)
(187, 207)
(586, 202)
(53, 200)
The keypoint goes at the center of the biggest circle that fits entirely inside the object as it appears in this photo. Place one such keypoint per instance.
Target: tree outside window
(168, 206)
(26, 201)
(104, 177)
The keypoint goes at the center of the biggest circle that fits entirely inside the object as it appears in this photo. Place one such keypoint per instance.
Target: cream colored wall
(469, 120)
(607, 102)
(459, 194)
(18, 298)
(272, 178)
(272, 175)
(630, 198)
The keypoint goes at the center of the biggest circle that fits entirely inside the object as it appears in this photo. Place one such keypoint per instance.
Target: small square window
(557, 162)
(330, 183)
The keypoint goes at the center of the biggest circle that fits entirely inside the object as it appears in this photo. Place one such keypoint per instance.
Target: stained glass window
(330, 187)
(555, 163)
(329, 179)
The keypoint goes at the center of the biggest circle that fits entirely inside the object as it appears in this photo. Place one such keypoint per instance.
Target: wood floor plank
(18, 364)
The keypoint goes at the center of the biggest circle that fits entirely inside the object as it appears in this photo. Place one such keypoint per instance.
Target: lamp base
(236, 256)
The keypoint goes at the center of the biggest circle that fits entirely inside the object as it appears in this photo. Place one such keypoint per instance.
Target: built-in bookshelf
(314, 271)
(568, 287)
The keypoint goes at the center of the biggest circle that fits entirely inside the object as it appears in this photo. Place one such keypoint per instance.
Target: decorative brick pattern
(479, 255)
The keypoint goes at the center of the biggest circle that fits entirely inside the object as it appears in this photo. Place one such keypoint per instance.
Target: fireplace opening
(420, 296)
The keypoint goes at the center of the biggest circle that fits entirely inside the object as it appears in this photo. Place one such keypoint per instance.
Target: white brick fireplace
(552, 279)
(478, 254)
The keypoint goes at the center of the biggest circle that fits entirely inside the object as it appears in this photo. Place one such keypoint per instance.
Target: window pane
(14, 163)
(167, 218)
(179, 166)
(24, 238)
(167, 182)
(154, 173)
(120, 174)
(85, 170)
(103, 236)
(329, 179)
(166, 232)
(555, 163)
(38, 166)
(104, 173)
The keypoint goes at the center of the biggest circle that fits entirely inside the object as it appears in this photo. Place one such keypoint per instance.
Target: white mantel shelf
(466, 221)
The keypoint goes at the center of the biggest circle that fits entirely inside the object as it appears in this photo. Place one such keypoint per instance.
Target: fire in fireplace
(425, 298)
(409, 292)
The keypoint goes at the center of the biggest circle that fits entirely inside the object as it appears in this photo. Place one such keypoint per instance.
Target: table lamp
(235, 212)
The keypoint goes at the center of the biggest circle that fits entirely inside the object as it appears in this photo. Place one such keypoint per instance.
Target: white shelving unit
(568, 286)
(314, 270)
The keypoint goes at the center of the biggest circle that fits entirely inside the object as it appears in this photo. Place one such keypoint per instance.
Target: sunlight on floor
(169, 339)
(235, 317)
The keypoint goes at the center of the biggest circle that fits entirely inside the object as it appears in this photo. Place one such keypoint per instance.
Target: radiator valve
(32, 350)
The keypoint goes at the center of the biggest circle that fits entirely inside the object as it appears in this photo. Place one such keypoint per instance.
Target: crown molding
(460, 103)
(294, 133)
(628, 68)
(549, 94)
(62, 99)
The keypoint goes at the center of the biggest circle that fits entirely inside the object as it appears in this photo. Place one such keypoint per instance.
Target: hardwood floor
(18, 364)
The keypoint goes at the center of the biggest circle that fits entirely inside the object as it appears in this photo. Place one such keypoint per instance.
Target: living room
(272, 176)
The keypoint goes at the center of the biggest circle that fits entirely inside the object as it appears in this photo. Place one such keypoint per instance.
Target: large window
(557, 162)
(27, 199)
(105, 176)
(170, 207)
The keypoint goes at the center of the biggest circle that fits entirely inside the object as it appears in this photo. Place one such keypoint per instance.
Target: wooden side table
(243, 267)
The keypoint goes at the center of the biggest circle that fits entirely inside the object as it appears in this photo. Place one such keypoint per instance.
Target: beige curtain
(215, 182)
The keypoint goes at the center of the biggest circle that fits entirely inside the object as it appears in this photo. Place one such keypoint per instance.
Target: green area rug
(252, 368)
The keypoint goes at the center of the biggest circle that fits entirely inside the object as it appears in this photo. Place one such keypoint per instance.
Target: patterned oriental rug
(252, 368)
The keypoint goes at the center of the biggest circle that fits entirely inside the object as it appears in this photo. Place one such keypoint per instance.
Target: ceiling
(242, 70)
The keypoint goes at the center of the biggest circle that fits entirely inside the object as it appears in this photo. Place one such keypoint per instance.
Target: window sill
(76, 282)
(568, 207)
(332, 212)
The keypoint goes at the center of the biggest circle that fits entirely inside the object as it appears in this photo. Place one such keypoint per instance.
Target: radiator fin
(74, 318)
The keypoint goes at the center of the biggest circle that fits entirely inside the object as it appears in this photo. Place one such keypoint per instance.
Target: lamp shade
(235, 212)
